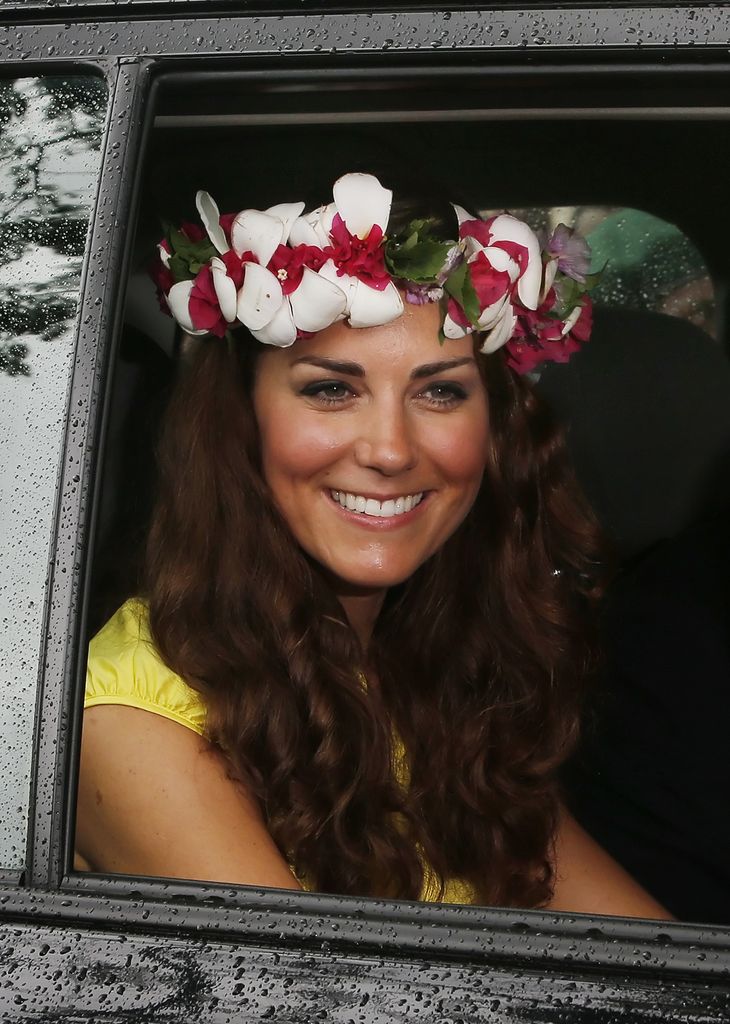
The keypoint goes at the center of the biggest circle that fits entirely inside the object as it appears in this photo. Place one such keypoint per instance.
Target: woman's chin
(367, 581)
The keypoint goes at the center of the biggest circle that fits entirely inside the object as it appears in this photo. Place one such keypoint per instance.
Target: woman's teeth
(373, 507)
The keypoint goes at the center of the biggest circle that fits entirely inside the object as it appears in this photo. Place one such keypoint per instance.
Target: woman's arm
(155, 799)
(589, 881)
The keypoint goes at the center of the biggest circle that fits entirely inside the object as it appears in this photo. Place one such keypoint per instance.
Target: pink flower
(194, 232)
(226, 222)
(362, 258)
(458, 315)
(539, 338)
(288, 264)
(490, 284)
(203, 306)
(235, 265)
(162, 277)
(515, 239)
(478, 229)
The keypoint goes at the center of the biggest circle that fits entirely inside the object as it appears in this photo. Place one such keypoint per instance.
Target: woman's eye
(444, 394)
(329, 392)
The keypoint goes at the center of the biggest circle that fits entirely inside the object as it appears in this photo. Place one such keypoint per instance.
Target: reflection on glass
(50, 138)
(647, 263)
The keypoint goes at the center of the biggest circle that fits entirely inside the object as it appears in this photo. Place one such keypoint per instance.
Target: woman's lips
(388, 514)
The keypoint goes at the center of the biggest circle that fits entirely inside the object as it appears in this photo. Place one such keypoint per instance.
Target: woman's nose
(386, 441)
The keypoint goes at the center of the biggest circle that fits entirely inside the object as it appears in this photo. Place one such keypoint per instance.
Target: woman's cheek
(303, 445)
(460, 448)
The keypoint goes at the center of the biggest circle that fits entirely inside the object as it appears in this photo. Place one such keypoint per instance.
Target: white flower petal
(225, 289)
(506, 228)
(164, 256)
(281, 329)
(303, 233)
(500, 260)
(361, 202)
(471, 246)
(259, 298)
(210, 216)
(317, 302)
(551, 269)
(346, 283)
(323, 226)
(372, 308)
(178, 299)
(491, 314)
(571, 321)
(501, 333)
(287, 213)
(453, 330)
(314, 227)
(256, 232)
(462, 214)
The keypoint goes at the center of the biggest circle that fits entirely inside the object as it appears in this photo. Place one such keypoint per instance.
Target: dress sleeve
(125, 668)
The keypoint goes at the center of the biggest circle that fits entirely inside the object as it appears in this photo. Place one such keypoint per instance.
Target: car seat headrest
(646, 403)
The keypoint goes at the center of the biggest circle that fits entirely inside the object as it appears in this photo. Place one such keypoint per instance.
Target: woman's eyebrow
(431, 369)
(355, 370)
(349, 369)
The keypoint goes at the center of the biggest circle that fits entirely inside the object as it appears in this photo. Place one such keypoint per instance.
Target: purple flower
(454, 257)
(571, 251)
(420, 294)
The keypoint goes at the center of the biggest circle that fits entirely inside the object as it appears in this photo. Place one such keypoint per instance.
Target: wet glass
(645, 263)
(50, 142)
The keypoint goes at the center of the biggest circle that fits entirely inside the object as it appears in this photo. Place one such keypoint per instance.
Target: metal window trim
(530, 940)
(56, 739)
(541, 30)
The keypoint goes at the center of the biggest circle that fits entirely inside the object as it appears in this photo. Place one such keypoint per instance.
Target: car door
(118, 83)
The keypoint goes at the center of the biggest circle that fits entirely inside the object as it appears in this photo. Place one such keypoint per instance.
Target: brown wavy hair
(482, 655)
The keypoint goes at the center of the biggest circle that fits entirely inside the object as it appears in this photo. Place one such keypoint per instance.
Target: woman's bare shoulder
(589, 881)
(156, 799)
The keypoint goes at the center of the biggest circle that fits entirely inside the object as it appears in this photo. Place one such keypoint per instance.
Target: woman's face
(373, 443)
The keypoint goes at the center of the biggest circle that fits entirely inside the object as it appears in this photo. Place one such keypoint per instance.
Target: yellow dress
(125, 668)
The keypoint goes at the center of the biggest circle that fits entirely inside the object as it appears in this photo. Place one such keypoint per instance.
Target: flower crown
(285, 274)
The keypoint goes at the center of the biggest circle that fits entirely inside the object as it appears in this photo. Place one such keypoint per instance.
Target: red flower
(287, 264)
(205, 312)
(458, 315)
(162, 277)
(194, 232)
(489, 284)
(519, 253)
(235, 265)
(226, 220)
(362, 258)
(583, 326)
(538, 338)
(478, 229)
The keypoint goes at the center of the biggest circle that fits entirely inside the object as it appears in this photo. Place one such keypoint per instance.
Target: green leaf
(593, 279)
(459, 286)
(416, 255)
(568, 294)
(188, 257)
(418, 261)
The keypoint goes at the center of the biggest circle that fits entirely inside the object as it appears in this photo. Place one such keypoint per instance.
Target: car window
(645, 258)
(50, 140)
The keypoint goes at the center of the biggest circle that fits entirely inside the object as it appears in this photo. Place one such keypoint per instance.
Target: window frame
(645, 951)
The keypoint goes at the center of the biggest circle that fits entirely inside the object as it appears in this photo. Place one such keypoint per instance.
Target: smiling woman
(358, 660)
(387, 452)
